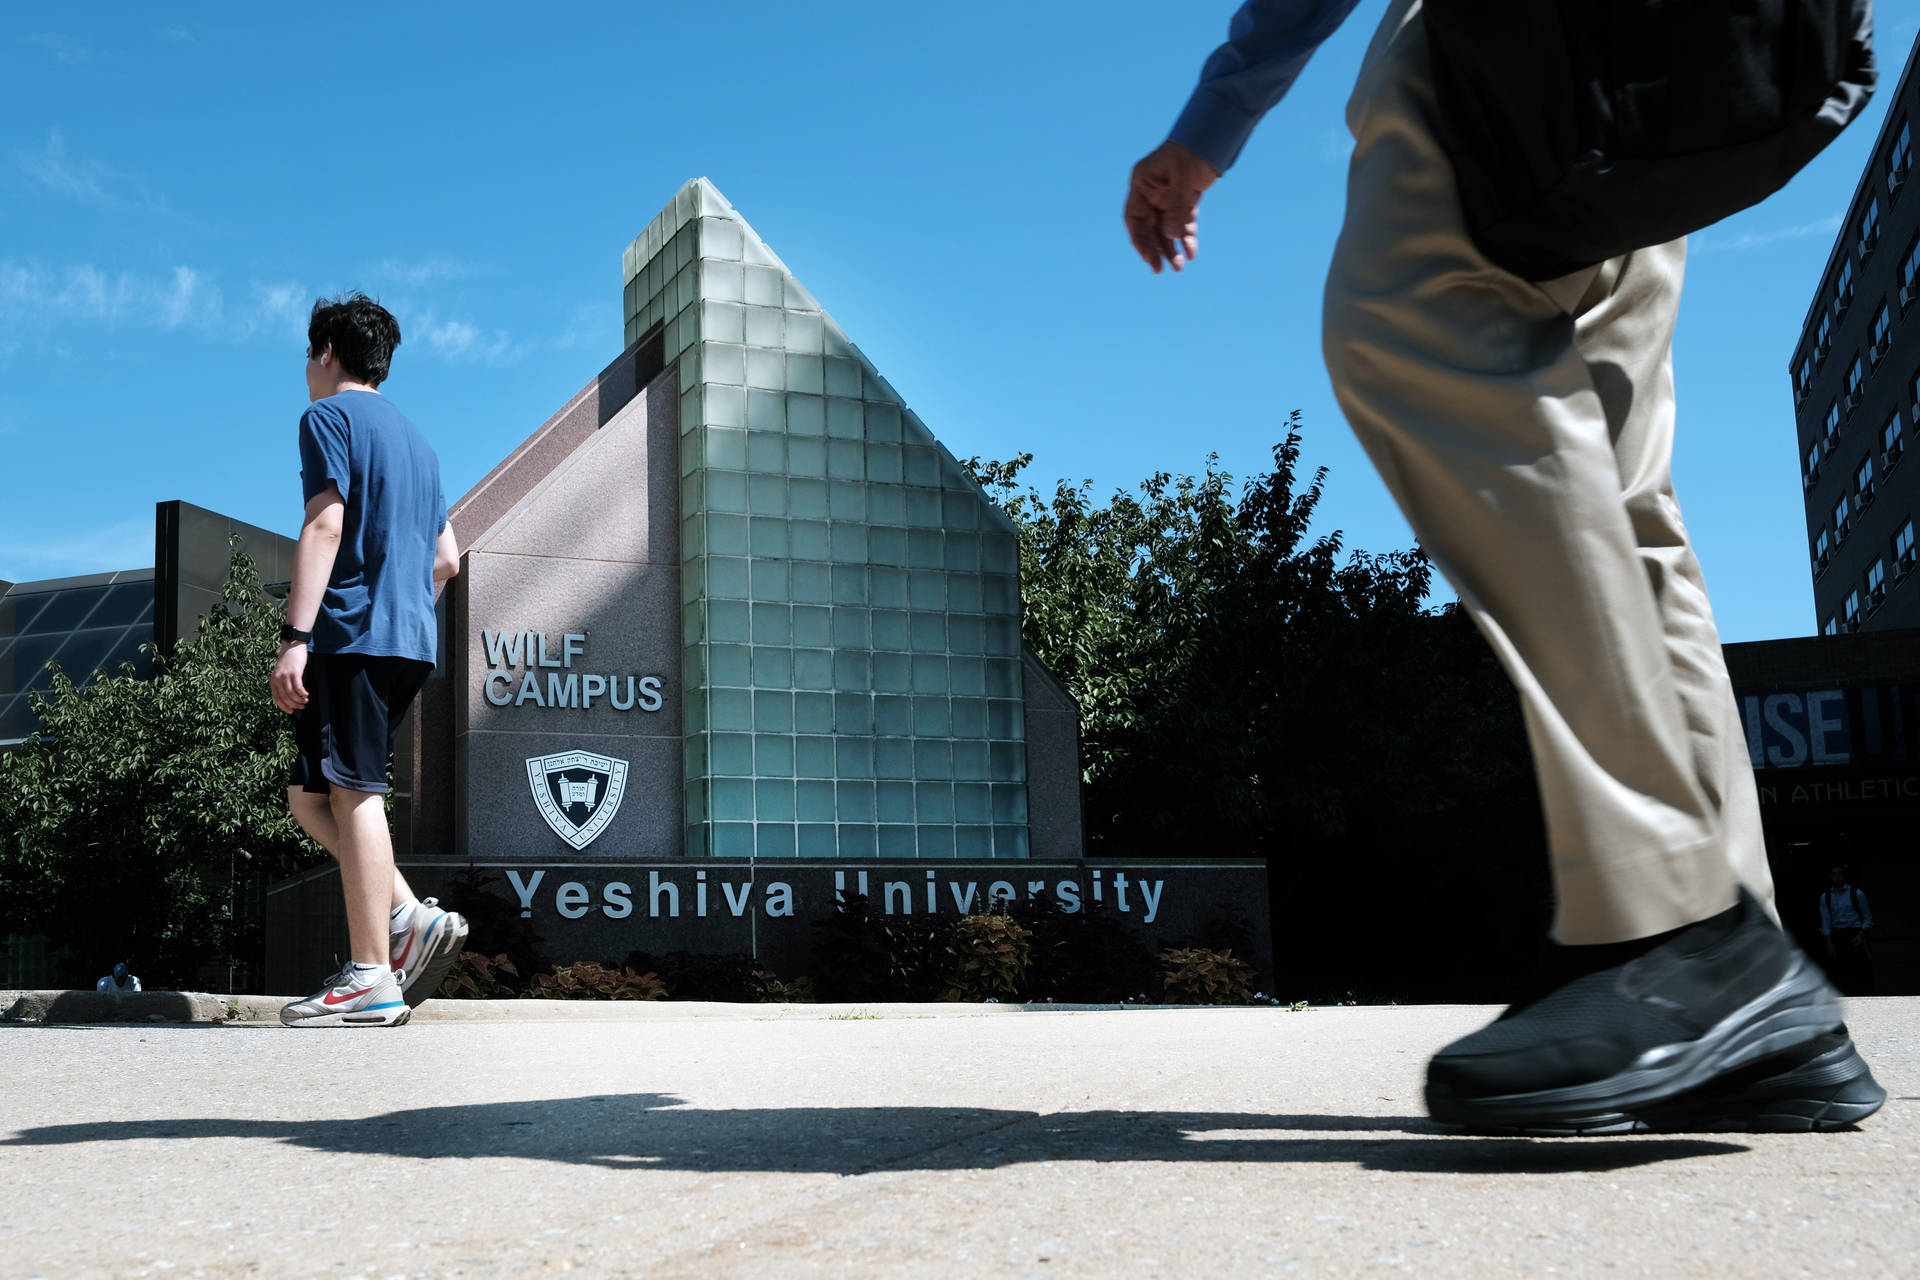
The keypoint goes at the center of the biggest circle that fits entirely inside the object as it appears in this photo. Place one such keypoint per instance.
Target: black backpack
(1583, 129)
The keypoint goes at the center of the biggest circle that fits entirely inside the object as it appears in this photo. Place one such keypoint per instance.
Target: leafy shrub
(144, 818)
(493, 915)
(695, 975)
(861, 954)
(478, 977)
(586, 980)
(1090, 956)
(989, 954)
(1199, 975)
(777, 990)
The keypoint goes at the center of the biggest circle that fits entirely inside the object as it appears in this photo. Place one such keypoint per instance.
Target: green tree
(145, 816)
(1249, 689)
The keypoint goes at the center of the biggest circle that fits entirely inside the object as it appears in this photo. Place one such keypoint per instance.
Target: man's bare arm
(446, 555)
(312, 570)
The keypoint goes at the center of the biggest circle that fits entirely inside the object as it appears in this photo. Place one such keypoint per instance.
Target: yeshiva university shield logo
(578, 793)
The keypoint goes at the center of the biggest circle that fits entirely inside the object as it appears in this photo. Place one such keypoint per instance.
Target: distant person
(358, 644)
(119, 982)
(1526, 431)
(1846, 917)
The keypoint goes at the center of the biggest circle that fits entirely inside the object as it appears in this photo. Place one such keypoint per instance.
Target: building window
(1856, 377)
(1821, 343)
(1863, 482)
(1821, 548)
(1882, 325)
(1909, 268)
(1813, 460)
(1852, 609)
(1902, 158)
(1876, 581)
(1840, 519)
(1870, 227)
(1802, 379)
(1893, 439)
(1903, 547)
(1833, 421)
(1829, 628)
(1844, 293)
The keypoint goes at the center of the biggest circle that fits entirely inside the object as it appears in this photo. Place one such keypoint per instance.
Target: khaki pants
(1527, 433)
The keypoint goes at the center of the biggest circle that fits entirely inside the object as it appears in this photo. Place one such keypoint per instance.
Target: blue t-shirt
(379, 601)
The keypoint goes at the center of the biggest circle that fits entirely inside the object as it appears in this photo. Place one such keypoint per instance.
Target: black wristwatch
(290, 634)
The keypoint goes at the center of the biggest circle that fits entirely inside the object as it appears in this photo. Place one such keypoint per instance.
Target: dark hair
(361, 332)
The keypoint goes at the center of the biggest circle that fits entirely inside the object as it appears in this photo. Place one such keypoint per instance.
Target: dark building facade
(1833, 731)
(1856, 394)
(97, 621)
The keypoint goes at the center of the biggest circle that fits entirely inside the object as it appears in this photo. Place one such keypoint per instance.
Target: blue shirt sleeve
(1866, 913)
(439, 504)
(323, 452)
(1268, 44)
(1826, 915)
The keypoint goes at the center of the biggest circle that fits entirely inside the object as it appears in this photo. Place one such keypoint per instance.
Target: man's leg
(364, 850)
(1470, 391)
(314, 812)
(1525, 431)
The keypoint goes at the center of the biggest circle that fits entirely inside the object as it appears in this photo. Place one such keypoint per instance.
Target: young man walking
(358, 644)
(1526, 431)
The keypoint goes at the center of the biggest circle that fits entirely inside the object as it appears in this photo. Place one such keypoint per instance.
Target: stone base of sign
(603, 911)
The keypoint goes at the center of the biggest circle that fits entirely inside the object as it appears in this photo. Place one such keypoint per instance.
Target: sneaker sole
(379, 1017)
(1831, 1090)
(442, 951)
(1798, 1008)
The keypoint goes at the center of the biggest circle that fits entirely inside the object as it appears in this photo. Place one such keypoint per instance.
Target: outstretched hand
(1163, 202)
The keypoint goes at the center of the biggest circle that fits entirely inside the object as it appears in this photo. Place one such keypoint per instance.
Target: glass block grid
(851, 599)
(95, 625)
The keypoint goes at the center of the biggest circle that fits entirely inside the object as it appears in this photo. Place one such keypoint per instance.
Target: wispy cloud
(82, 178)
(458, 342)
(64, 48)
(184, 299)
(1761, 239)
(126, 545)
(181, 35)
(586, 326)
(415, 275)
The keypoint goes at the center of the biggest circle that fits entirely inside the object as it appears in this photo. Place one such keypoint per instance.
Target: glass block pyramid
(851, 599)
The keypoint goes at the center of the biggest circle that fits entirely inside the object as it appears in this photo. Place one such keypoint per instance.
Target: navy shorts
(345, 733)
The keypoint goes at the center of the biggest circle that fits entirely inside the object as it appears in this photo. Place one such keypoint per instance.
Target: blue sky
(945, 179)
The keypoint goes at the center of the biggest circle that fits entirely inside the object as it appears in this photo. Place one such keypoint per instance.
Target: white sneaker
(342, 1005)
(426, 950)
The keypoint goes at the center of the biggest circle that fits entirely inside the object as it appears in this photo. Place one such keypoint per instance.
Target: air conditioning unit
(1909, 293)
(1896, 180)
(1820, 564)
(1890, 457)
(1868, 241)
(1813, 478)
(1851, 624)
(1821, 352)
(1864, 498)
(1880, 349)
(1904, 565)
(1851, 403)
(1839, 532)
(1875, 596)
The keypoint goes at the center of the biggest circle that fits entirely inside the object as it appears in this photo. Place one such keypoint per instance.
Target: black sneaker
(1662, 1033)
(1823, 1084)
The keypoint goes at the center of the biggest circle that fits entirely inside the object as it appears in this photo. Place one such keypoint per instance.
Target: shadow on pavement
(654, 1131)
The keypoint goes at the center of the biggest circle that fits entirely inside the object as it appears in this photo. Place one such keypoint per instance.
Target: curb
(70, 1007)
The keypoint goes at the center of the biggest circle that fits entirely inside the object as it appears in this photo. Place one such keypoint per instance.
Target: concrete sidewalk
(1140, 1142)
